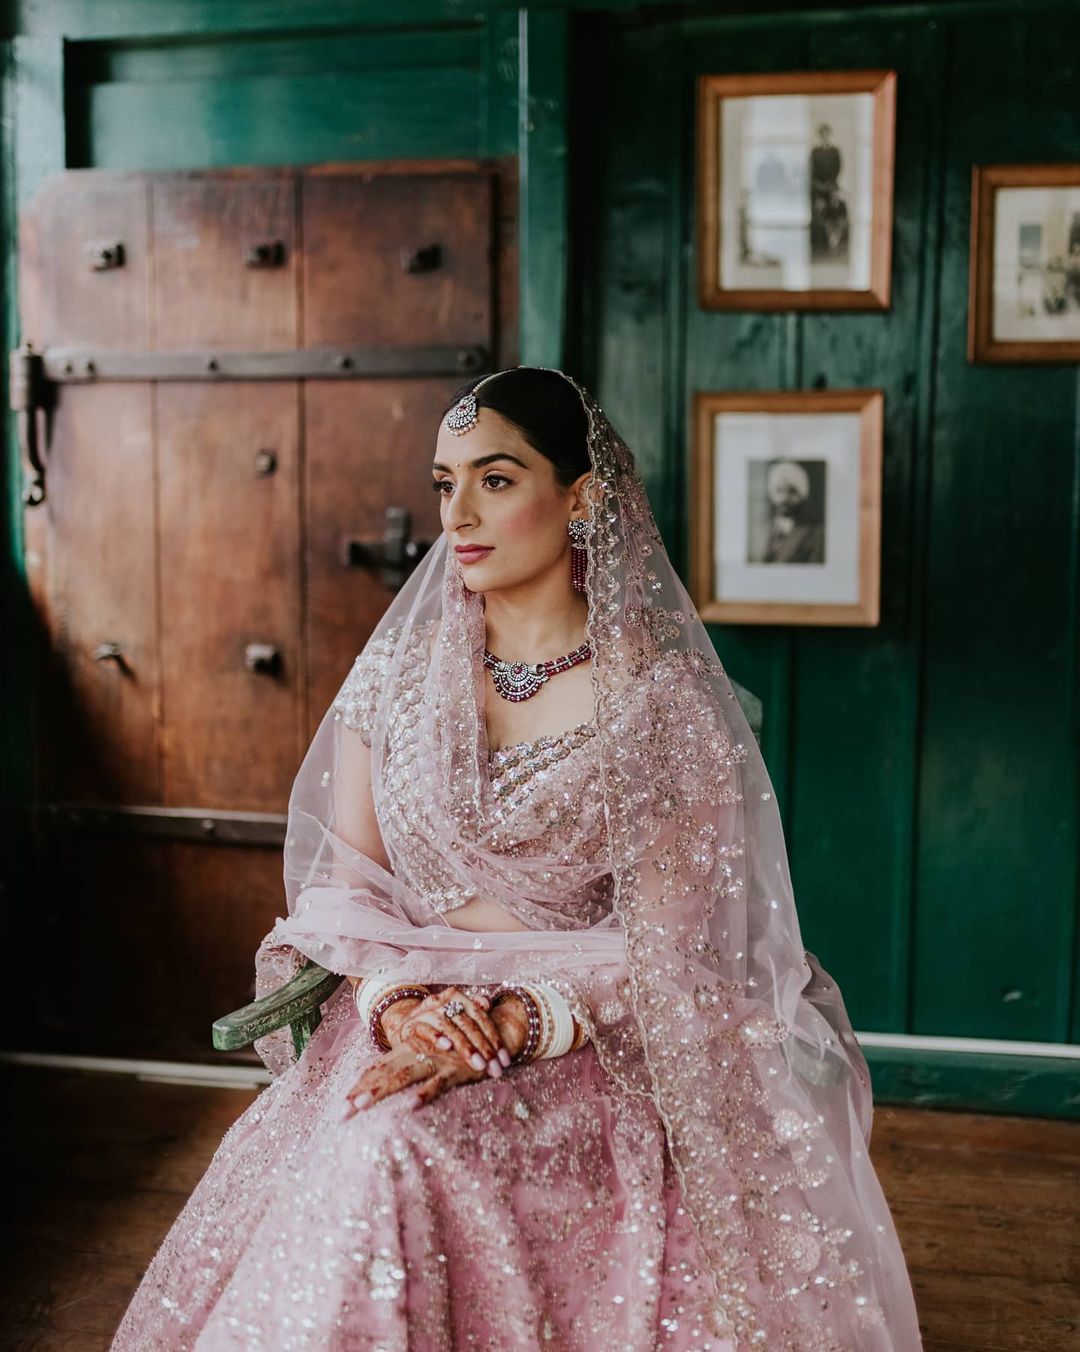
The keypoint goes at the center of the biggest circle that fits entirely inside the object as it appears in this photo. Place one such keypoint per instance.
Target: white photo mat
(766, 143)
(741, 440)
(1035, 251)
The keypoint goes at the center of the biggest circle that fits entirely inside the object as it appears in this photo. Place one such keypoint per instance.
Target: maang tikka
(464, 416)
(579, 552)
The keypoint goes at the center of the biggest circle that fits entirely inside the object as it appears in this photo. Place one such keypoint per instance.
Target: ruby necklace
(516, 681)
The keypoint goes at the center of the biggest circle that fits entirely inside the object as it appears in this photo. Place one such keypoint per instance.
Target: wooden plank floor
(99, 1165)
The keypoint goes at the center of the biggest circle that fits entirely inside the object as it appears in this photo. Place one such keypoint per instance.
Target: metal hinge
(394, 556)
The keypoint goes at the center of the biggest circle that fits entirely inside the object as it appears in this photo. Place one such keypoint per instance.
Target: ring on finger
(454, 1007)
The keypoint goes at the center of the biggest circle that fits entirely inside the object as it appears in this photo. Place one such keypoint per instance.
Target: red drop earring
(579, 553)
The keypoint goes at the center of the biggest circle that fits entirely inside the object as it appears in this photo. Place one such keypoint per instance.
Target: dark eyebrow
(485, 460)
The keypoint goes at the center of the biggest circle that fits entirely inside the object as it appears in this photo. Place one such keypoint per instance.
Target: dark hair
(546, 409)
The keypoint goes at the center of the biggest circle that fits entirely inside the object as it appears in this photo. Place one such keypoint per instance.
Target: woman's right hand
(512, 1021)
(402, 1069)
(473, 1035)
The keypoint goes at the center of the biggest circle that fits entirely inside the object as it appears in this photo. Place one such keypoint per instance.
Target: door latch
(394, 556)
(30, 392)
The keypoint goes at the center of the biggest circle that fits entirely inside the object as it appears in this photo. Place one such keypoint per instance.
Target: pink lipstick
(472, 553)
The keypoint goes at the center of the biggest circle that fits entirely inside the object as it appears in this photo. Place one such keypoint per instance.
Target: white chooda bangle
(557, 1034)
(538, 996)
(367, 992)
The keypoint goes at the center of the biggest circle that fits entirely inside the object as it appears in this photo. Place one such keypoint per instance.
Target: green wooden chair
(298, 1002)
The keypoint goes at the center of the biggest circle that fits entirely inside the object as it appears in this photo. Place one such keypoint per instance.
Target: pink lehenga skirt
(537, 1211)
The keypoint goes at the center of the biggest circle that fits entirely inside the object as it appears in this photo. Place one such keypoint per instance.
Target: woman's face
(502, 508)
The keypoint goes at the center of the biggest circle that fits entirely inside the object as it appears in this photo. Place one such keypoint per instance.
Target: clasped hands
(431, 1052)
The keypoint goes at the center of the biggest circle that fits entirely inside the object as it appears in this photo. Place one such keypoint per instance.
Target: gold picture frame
(778, 229)
(812, 556)
(1024, 266)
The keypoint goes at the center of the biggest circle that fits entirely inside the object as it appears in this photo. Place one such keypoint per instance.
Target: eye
(502, 480)
(439, 484)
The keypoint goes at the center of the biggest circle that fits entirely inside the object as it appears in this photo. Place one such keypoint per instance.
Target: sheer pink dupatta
(697, 988)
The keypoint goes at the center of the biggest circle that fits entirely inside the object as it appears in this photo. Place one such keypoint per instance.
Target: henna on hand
(401, 1068)
(392, 1019)
(512, 1020)
(472, 1035)
(436, 1069)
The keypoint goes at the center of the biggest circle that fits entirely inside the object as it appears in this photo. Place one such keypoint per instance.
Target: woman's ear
(581, 491)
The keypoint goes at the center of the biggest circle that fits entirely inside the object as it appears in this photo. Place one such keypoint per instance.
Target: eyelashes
(504, 482)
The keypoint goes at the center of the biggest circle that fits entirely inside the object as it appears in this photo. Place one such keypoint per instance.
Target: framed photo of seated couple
(1024, 288)
(785, 526)
(795, 190)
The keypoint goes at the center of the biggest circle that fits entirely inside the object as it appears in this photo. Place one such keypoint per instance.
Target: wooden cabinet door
(196, 599)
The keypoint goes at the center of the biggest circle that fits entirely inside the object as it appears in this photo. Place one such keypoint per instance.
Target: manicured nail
(476, 1061)
(363, 1100)
(445, 1043)
(494, 1068)
(504, 1056)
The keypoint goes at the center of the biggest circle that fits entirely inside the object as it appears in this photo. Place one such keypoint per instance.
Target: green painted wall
(926, 768)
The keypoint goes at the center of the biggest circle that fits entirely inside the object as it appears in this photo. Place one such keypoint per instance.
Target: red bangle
(532, 1037)
(391, 998)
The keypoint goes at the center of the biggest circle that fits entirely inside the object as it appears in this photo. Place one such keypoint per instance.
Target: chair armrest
(296, 1002)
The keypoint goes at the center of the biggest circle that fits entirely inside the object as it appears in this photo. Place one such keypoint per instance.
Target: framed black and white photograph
(1024, 303)
(795, 190)
(786, 524)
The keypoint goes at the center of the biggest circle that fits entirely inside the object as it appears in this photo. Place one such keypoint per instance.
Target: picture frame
(786, 520)
(795, 190)
(1024, 277)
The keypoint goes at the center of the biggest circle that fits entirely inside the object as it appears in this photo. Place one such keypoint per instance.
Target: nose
(459, 508)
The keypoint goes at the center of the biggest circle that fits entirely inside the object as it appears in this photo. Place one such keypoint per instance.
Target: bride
(584, 1089)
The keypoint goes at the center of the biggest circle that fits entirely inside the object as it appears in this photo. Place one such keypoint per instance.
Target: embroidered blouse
(544, 793)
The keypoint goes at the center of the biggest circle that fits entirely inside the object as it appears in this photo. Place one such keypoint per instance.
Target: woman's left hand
(426, 1075)
(472, 1032)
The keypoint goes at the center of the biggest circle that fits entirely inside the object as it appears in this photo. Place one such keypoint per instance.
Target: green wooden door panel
(855, 739)
(296, 100)
(996, 868)
(294, 120)
(542, 156)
